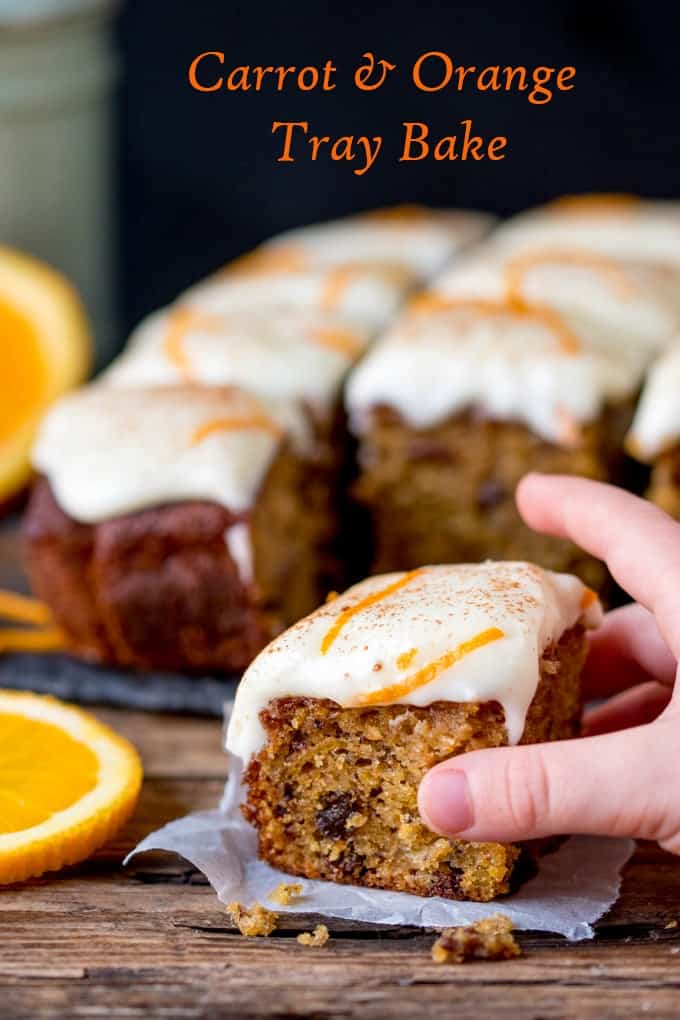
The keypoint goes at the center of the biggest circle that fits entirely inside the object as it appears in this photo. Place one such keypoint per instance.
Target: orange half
(45, 349)
(67, 784)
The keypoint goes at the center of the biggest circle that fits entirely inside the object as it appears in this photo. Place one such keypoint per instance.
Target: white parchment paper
(575, 885)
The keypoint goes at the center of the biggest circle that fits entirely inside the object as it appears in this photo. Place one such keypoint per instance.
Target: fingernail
(444, 801)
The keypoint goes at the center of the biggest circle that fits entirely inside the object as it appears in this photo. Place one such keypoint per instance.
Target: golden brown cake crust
(446, 494)
(158, 589)
(333, 793)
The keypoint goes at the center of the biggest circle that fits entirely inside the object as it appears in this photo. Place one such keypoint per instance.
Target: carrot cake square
(338, 719)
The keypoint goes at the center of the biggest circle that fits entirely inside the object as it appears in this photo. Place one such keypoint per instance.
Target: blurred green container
(57, 71)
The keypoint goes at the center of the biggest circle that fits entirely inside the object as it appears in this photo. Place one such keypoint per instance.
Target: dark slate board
(78, 681)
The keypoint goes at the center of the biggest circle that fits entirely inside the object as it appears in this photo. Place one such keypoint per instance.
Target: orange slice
(67, 784)
(45, 349)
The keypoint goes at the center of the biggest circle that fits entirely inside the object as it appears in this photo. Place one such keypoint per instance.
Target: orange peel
(67, 784)
(46, 350)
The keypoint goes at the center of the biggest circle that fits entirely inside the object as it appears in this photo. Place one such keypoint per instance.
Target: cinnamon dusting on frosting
(370, 600)
(449, 612)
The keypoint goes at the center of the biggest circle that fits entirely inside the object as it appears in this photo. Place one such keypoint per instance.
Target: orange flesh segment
(370, 600)
(24, 378)
(588, 597)
(430, 672)
(251, 421)
(45, 639)
(23, 609)
(42, 770)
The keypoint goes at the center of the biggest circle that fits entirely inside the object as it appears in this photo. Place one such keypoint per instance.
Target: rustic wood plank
(153, 940)
(172, 745)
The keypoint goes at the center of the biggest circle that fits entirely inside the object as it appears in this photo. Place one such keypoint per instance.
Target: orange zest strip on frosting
(44, 639)
(286, 258)
(547, 317)
(336, 284)
(406, 658)
(407, 212)
(337, 339)
(430, 672)
(597, 202)
(588, 598)
(23, 609)
(517, 268)
(259, 422)
(180, 321)
(377, 596)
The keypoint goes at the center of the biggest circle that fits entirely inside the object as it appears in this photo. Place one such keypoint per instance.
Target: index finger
(639, 542)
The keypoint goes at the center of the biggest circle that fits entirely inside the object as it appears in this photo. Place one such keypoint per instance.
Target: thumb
(615, 785)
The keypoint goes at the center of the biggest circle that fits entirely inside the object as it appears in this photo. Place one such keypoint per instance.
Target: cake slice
(456, 402)
(654, 437)
(172, 528)
(338, 719)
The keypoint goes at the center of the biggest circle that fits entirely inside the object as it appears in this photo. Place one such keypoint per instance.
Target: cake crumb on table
(319, 937)
(488, 939)
(286, 893)
(251, 921)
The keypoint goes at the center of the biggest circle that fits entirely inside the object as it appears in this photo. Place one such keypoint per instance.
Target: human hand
(620, 778)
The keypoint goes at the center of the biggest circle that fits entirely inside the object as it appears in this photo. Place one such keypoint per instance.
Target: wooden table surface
(153, 941)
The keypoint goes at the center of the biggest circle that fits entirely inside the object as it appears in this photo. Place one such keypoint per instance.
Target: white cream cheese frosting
(606, 299)
(486, 357)
(289, 354)
(109, 451)
(421, 240)
(464, 633)
(359, 294)
(617, 225)
(656, 426)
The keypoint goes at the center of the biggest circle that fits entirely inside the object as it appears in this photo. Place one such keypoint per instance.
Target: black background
(199, 181)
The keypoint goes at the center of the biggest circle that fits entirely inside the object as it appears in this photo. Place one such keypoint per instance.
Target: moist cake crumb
(252, 921)
(488, 939)
(286, 893)
(319, 937)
